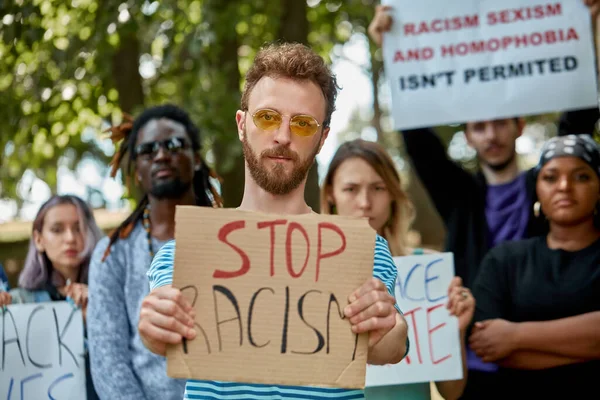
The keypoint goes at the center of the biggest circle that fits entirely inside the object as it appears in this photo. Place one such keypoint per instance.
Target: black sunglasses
(173, 145)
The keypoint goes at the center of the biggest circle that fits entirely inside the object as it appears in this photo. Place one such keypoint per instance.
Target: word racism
(473, 21)
(230, 301)
(228, 309)
(490, 73)
(38, 353)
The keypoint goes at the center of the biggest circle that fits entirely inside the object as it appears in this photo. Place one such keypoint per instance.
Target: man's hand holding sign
(166, 317)
(372, 310)
(288, 293)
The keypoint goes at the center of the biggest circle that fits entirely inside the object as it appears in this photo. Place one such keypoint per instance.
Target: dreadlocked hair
(126, 133)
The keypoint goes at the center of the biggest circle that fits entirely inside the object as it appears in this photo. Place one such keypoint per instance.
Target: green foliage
(52, 89)
(68, 66)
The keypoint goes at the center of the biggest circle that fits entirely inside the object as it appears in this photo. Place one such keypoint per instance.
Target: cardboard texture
(266, 290)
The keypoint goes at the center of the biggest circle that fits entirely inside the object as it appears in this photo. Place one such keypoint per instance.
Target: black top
(527, 281)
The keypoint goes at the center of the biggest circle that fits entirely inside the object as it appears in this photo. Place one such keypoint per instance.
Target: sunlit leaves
(46, 87)
(57, 77)
(194, 12)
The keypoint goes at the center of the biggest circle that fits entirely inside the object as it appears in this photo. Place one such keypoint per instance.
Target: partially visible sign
(41, 356)
(422, 294)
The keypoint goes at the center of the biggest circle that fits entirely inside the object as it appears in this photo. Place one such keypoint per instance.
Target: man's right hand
(382, 22)
(165, 318)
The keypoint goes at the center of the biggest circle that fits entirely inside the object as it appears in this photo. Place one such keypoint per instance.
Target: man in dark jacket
(494, 205)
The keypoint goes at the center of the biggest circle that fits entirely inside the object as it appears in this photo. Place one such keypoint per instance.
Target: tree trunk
(428, 222)
(125, 68)
(294, 23)
(596, 36)
(376, 68)
(225, 97)
(128, 82)
(294, 28)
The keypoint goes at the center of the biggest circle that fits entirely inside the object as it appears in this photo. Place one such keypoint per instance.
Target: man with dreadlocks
(162, 150)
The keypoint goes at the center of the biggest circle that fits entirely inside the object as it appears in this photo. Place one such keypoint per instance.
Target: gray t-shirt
(122, 367)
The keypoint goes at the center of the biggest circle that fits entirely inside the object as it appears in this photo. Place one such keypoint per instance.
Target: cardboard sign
(422, 294)
(269, 293)
(458, 61)
(41, 356)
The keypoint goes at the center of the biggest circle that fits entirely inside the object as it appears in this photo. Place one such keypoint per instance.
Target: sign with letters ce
(422, 294)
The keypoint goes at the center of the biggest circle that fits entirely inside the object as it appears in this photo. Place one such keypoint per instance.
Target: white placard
(422, 294)
(457, 61)
(41, 352)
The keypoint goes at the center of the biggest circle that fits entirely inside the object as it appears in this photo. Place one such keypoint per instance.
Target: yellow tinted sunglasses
(301, 125)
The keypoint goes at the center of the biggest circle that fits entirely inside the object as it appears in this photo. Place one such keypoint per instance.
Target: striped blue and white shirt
(161, 273)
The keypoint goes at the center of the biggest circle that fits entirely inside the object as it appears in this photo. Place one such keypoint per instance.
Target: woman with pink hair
(64, 235)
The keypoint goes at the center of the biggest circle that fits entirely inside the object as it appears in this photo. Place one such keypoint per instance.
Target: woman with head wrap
(538, 300)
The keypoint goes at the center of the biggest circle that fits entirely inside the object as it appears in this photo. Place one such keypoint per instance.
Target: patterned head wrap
(580, 146)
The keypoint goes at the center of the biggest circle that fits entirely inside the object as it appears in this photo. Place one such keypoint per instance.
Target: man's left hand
(372, 310)
(493, 339)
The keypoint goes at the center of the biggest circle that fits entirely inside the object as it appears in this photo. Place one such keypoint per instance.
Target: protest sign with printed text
(422, 294)
(269, 293)
(41, 354)
(457, 61)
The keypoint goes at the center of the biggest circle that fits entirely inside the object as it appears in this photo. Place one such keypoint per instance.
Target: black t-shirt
(527, 281)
